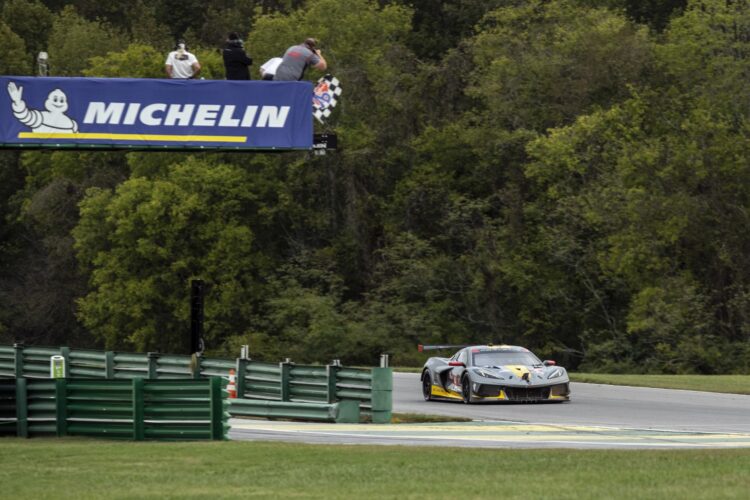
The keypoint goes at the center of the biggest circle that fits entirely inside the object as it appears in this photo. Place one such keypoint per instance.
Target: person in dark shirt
(236, 61)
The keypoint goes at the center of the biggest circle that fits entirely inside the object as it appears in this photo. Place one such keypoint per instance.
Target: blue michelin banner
(127, 113)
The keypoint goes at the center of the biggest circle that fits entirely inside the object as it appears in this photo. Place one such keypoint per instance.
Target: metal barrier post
(139, 425)
(153, 364)
(285, 367)
(22, 408)
(382, 395)
(18, 359)
(65, 353)
(331, 379)
(61, 406)
(217, 408)
(383, 361)
(195, 364)
(241, 372)
(109, 365)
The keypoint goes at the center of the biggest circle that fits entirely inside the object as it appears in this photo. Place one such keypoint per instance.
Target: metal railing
(285, 382)
(138, 409)
(341, 412)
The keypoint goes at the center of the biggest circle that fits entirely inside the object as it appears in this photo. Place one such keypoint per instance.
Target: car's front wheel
(466, 390)
(427, 386)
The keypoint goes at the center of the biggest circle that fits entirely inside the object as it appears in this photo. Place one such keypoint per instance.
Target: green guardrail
(285, 382)
(341, 412)
(137, 409)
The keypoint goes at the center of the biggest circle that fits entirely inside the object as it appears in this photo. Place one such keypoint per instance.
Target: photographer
(297, 59)
(182, 64)
(236, 61)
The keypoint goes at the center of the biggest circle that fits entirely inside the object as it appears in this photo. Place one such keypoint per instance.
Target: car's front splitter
(554, 392)
(491, 392)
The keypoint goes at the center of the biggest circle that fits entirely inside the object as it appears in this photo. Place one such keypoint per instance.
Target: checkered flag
(325, 97)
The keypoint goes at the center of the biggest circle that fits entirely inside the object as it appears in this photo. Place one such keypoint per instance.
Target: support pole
(197, 291)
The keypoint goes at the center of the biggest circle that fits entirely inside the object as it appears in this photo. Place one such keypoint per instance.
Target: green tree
(136, 61)
(469, 199)
(32, 20)
(541, 64)
(74, 40)
(13, 60)
(145, 241)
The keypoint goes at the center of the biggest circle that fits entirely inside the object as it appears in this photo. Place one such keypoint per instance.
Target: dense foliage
(573, 176)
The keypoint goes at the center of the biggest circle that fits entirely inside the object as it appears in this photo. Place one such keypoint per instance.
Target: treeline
(572, 176)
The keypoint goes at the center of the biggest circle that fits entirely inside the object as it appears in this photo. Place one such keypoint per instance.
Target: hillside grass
(79, 468)
(733, 384)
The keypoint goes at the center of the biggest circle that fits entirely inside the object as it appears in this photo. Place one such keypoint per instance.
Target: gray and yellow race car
(493, 373)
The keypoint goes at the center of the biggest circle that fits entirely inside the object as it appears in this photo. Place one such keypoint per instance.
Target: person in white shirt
(182, 64)
(269, 68)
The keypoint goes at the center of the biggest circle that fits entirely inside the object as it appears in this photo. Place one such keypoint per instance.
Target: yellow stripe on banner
(133, 137)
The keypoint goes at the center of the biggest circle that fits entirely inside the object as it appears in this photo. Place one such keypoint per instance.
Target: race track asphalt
(599, 416)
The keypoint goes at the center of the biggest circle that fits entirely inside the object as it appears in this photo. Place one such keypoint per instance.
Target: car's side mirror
(456, 363)
(549, 362)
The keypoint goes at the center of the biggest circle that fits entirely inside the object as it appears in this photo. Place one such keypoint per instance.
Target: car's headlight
(557, 372)
(486, 373)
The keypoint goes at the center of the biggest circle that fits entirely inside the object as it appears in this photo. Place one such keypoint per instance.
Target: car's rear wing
(422, 348)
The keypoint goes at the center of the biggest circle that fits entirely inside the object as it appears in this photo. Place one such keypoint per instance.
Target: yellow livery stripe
(500, 396)
(518, 370)
(442, 393)
(133, 137)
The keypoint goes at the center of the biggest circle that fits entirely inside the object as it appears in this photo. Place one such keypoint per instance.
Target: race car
(493, 373)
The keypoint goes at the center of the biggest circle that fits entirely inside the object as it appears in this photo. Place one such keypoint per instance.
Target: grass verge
(734, 384)
(416, 418)
(78, 468)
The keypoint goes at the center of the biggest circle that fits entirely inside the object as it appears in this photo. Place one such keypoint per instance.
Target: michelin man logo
(53, 119)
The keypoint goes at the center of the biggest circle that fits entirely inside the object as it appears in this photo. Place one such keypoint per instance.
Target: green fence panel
(8, 408)
(216, 367)
(343, 411)
(136, 409)
(185, 409)
(87, 364)
(7, 362)
(255, 380)
(308, 383)
(91, 400)
(173, 366)
(355, 384)
(263, 381)
(130, 366)
(108, 430)
(35, 361)
(41, 407)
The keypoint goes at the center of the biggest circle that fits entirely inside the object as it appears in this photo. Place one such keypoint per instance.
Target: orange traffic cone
(232, 386)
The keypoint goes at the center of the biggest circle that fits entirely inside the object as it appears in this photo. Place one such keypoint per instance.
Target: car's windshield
(500, 358)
